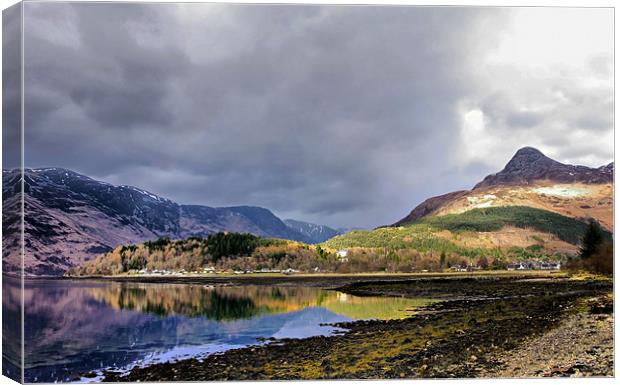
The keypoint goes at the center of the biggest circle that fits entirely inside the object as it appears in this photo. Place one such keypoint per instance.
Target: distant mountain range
(316, 233)
(70, 218)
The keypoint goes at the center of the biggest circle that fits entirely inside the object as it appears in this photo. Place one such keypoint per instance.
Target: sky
(340, 115)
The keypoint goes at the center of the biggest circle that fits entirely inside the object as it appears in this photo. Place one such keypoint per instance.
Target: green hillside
(420, 234)
(416, 236)
(494, 218)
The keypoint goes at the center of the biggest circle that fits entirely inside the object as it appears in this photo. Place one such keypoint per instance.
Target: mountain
(70, 218)
(535, 208)
(534, 180)
(314, 233)
(529, 165)
(198, 220)
(269, 224)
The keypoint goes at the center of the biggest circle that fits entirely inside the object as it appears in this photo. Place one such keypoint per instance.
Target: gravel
(581, 345)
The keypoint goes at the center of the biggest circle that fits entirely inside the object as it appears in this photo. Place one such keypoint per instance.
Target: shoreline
(329, 280)
(581, 345)
(479, 322)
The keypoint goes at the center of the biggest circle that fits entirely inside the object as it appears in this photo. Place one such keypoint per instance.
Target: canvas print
(206, 192)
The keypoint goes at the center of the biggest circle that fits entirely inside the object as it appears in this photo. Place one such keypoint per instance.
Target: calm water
(74, 327)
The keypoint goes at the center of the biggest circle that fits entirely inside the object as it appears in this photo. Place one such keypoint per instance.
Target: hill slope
(223, 251)
(495, 218)
(475, 232)
(429, 206)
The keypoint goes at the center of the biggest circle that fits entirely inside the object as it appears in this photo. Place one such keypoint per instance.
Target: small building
(550, 266)
(342, 255)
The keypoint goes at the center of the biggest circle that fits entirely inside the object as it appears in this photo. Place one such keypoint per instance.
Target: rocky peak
(607, 169)
(528, 158)
(529, 165)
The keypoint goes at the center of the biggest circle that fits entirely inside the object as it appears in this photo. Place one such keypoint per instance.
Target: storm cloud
(347, 116)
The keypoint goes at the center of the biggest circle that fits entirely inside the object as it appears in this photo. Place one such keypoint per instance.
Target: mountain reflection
(188, 301)
(234, 303)
(11, 327)
(219, 304)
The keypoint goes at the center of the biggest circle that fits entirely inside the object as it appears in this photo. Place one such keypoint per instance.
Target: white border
(510, 3)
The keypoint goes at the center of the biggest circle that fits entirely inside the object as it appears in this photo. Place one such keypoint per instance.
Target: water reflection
(11, 327)
(76, 326)
(233, 303)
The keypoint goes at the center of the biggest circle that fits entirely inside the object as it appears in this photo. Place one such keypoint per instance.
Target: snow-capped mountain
(313, 232)
(70, 218)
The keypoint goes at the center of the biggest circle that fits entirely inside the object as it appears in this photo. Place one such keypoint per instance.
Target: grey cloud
(341, 115)
(116, 81)
(11, 86)
(524, 119)
(569, 117)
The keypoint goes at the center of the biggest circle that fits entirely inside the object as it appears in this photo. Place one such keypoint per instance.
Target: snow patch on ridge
(563, 191)
(479, 202)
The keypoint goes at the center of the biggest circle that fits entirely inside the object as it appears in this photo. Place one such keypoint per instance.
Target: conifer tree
(592, 240)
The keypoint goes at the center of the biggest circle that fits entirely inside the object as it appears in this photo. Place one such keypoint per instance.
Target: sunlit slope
(473, 231)
(576, 200)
